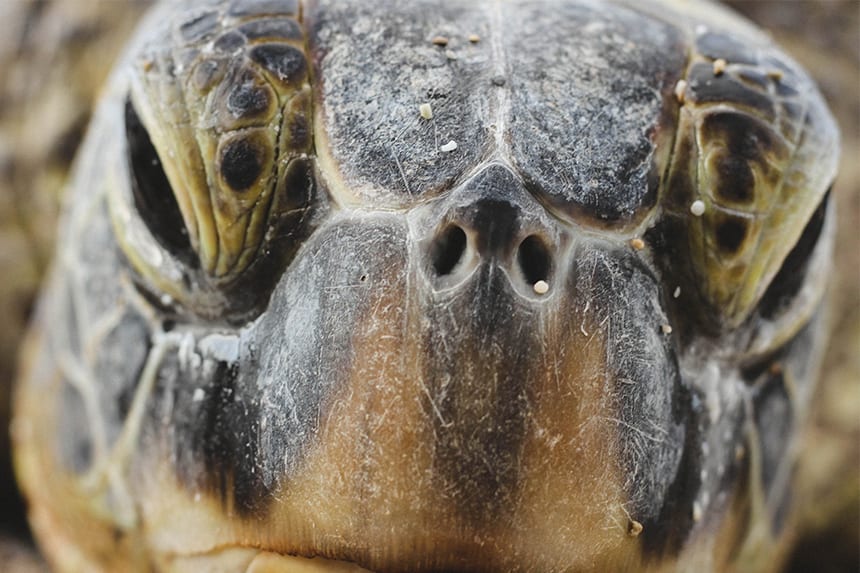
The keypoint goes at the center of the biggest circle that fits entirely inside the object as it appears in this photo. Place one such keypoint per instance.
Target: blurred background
(55, 54)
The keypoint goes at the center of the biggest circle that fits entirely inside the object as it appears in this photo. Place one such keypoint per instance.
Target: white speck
(198, 396)
(224, 348)
(697, 208)
(701, 29)
(426, 111)
(677, 292)
(448, 147)
(666, 329)
(541, 287)
(197, 497)
(187, 356)
(166, 300)
(681, 90)
(697, 511)
(450, 55)
(712, 381)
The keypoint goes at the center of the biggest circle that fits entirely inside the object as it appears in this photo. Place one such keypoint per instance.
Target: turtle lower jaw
(251, 560)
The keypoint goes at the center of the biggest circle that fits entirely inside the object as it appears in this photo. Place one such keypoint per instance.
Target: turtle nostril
(448, 249)
(534, 259)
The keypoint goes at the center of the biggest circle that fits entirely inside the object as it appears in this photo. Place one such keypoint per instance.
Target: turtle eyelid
(791, 275)
(153, 195)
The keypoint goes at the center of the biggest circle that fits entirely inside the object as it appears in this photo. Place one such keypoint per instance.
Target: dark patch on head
(272, 29)
(241, 163)
(782, 507)
(286, 63)
(705, 87)
(213, 434)
(495, 214)
(667, 533)
(792, 274)
(774, 419)
(118, 369)
(743, 138)
(200, 27)
(153, 195)
(216, 433)
(296, 203)
(297, 132)
(248, 100)
(74, 436)
(690, 315)
(230, 42)
(730, 233)
(650, 399)
(229, 437)
(262, 7)
(477, 456)
(298, 183)
(208, 73)
(735, 181)
(534, 259)
(715, 45)
(496, 224)
(681, 180)
(447, 249)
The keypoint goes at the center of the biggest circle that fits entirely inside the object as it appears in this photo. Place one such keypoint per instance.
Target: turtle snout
(493, 221)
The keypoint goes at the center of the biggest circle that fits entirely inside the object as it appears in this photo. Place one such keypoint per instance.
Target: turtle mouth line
(252, 560)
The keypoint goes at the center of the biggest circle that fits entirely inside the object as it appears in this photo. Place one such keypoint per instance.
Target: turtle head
(540, 300)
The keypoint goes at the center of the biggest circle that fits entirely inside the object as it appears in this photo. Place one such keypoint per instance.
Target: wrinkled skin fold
(284, 324)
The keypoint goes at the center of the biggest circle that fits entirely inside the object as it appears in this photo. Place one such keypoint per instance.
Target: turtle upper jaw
(409, 419)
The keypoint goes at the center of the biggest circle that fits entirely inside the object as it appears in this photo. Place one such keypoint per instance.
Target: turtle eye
(792, 274)
(153, 195)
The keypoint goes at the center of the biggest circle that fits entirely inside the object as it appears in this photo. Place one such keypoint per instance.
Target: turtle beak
(427, 379)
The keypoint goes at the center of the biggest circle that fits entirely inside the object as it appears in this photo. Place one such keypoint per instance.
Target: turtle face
(581, 338)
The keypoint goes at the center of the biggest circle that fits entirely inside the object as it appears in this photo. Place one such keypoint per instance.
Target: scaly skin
(852, 370)
(824, 36)
(54, 57)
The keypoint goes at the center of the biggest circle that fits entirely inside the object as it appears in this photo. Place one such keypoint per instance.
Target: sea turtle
(433, 286)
